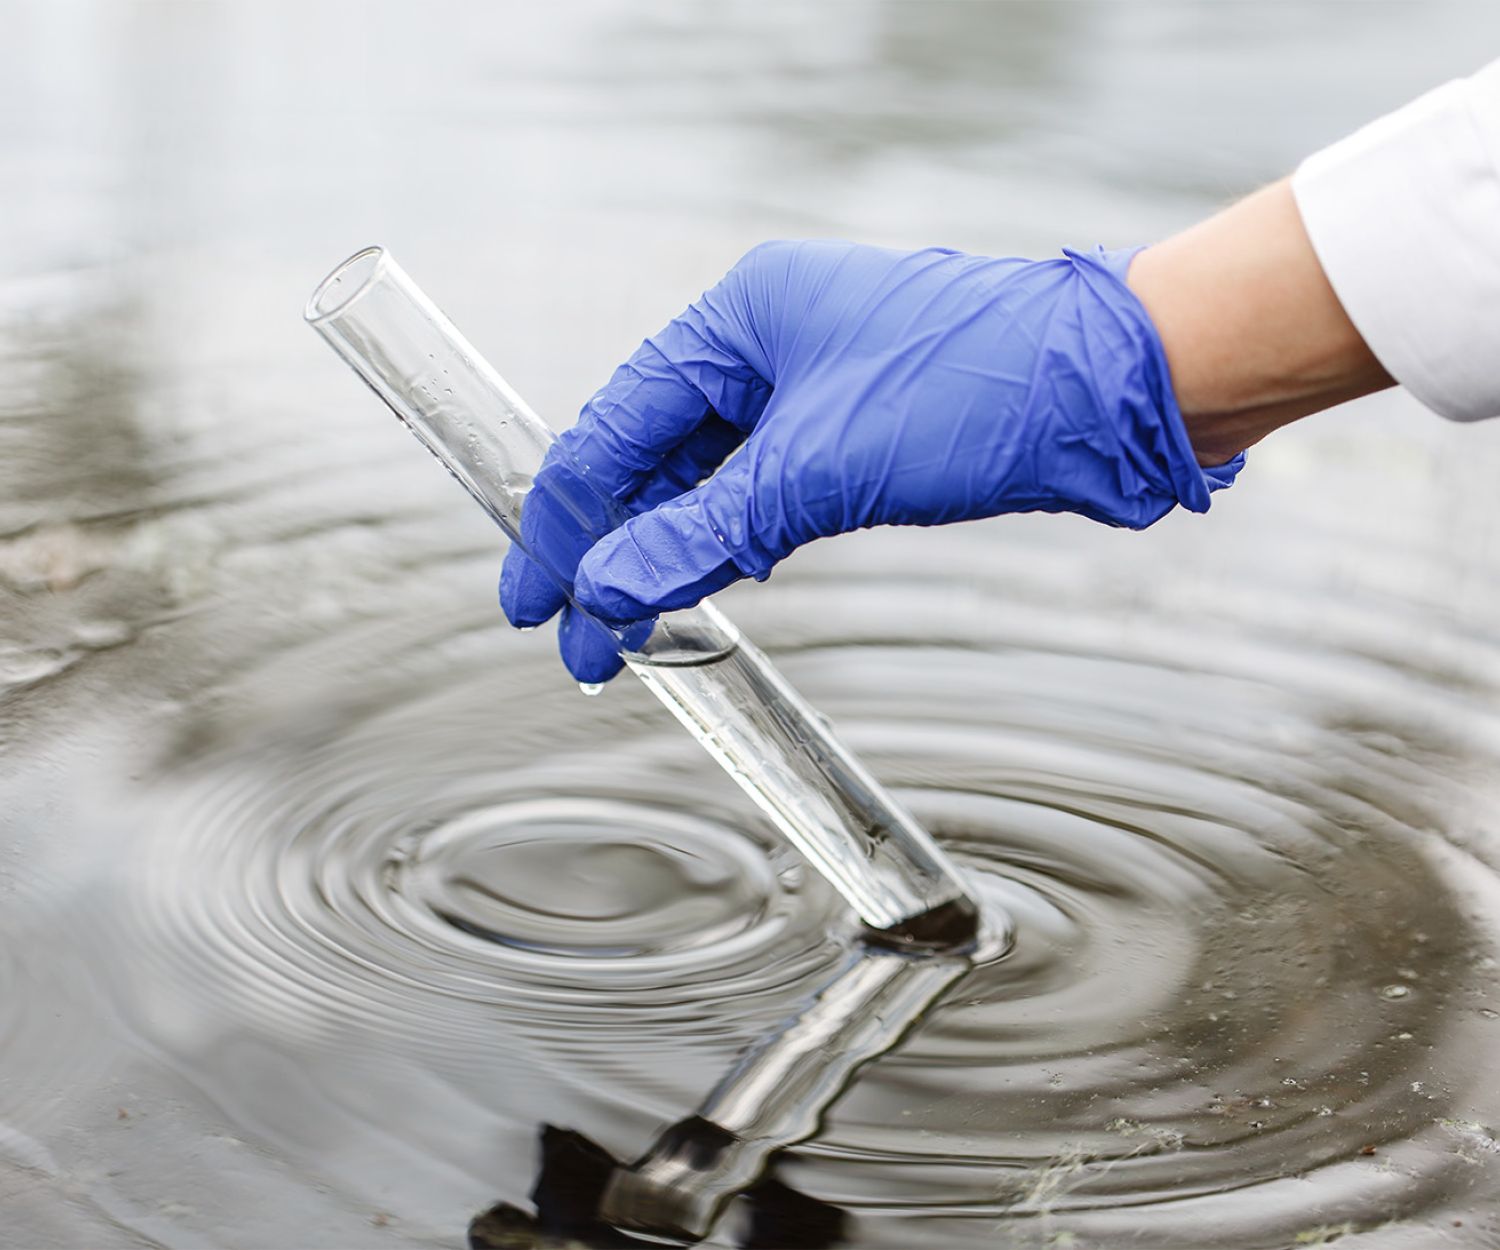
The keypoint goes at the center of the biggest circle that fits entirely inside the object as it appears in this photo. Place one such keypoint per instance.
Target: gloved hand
(860, 387)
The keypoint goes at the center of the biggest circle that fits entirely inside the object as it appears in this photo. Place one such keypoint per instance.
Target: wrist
(1253, 333)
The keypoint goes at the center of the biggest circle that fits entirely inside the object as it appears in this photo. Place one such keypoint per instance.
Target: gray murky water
(322, 893)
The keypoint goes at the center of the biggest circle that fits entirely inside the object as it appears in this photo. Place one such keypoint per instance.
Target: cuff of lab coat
(1405, 218)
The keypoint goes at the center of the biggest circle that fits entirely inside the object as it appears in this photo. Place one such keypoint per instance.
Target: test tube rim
(314, 313)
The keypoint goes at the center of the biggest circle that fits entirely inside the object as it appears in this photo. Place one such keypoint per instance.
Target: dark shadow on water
(569, 1193)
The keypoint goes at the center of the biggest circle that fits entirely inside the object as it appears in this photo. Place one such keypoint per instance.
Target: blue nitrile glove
(861, 387)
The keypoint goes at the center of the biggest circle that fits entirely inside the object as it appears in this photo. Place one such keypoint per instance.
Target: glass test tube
(728, 695)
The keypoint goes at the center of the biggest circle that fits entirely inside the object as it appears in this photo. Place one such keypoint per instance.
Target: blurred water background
(274, 766)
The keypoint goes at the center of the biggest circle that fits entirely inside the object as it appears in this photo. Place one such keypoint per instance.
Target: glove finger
(687, 464)
(588, 649)
(555, 528)
(527, 595)
(663, 393)
(673, 555)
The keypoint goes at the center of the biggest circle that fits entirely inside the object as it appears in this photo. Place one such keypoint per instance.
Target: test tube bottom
(951, 926)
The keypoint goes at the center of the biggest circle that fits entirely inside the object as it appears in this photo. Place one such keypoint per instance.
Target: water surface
(322, 893)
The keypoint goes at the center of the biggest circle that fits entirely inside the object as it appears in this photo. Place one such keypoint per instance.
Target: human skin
(1254, 335)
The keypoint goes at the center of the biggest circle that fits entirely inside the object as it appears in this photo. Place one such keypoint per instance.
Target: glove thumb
(679, 552)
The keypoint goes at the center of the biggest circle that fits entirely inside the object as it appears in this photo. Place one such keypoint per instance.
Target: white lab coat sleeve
(1404, 215)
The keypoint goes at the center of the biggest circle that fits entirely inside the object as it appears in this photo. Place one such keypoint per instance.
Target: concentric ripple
(593, 880)
(1251, 1001)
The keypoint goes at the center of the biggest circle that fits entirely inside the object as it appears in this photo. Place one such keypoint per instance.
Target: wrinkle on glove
(849, 387)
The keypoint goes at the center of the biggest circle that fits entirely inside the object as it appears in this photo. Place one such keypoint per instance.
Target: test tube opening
(348, 280)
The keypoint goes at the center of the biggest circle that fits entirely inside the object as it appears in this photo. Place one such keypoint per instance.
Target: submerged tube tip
(953, 927)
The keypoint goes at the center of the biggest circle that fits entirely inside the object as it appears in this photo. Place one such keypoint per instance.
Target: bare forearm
(1254, 335)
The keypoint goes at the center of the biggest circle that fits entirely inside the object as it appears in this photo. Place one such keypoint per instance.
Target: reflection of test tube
(725, 692)
(775, 1095)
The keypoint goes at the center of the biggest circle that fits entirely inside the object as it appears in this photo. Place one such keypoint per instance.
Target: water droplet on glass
(591, 688)
(1395, 991)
